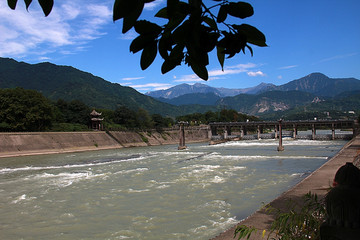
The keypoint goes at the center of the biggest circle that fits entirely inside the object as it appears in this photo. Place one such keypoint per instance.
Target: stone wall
(17, 144)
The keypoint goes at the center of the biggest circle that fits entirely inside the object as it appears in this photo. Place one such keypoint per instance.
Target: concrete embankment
(318, 182)
(22, 144)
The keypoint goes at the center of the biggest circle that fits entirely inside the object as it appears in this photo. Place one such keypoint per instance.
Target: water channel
(149, 192)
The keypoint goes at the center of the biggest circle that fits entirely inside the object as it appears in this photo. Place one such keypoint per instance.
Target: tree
(24, 110)
(191, 32)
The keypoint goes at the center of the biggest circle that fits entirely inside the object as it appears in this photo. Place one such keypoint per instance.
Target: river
(149, 192)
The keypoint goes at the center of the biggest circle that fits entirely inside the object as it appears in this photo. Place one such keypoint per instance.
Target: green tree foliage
(192, 30)
(139, 119)
(72, 112)
(24, 110)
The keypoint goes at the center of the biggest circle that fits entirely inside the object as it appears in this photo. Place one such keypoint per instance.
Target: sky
(302, 36)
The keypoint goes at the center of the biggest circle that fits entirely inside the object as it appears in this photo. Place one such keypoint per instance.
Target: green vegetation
(24, 110)
(301, 221)
(28, 110)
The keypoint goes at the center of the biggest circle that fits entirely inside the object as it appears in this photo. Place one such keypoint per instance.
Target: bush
(300, 222)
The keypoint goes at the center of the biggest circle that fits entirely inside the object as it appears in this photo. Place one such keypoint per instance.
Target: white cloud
(130, 35)
(256, 74)
(152, 5)
(280, 77)
(132, 78)
(337, 57)
(288, 67)
(71, 24)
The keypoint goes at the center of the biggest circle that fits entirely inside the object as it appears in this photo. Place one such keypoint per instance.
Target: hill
(67, 83)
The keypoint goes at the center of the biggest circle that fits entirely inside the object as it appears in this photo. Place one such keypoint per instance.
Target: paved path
(318, 182)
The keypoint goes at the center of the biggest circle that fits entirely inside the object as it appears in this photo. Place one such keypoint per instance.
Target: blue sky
(303, 37)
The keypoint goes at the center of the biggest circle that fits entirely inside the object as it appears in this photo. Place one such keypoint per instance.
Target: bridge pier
(182, 145)
(332, 125)
(295, 131)
(280, 147)
(313, 132)
(225, 133)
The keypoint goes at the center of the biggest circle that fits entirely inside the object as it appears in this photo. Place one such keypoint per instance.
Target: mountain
(319, 84)
(315, 83)
(184, 88)
(272, 101)
(67, 83)
(193, 98)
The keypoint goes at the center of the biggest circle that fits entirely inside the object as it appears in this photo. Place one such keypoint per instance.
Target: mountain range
(68, 83)
(315, 83)
(183, 89)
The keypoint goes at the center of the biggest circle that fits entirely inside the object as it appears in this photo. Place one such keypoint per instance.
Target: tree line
(29, 110)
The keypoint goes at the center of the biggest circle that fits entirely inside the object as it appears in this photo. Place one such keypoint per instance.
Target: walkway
(317, 182)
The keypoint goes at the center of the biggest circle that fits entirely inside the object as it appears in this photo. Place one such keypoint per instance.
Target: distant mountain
(184, 88)
(193, 98)
(319, 84)
(272, 101)
(315, 83)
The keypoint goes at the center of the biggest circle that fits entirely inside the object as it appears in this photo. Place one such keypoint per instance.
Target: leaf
(167, 66)
(146, 27)
(140, 43)
(240, 9)
(200, 71)
(164, 46)
(222, 14)
(131, 17)
(162, 13)
(250, 49)
(172, 6)
(221, 56)
(211, 22)
(174, 59)
(148, 55)
(12, 4)
(27, 3)
(46, 6)
(253, 35)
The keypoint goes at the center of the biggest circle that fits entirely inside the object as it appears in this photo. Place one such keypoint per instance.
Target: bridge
(273, 129)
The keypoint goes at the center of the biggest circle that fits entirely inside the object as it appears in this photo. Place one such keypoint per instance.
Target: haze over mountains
(314, 91)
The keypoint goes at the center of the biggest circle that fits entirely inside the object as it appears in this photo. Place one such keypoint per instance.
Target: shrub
(301, 221)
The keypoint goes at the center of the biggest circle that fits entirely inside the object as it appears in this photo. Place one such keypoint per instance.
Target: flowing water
(151, 192)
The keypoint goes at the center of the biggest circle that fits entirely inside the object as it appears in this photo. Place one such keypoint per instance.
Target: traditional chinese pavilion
(96, 120)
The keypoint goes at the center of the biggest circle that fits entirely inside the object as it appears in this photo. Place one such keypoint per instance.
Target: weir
(275, 129)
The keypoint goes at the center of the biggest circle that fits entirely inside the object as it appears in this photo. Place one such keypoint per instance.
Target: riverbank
(318, 182)
(36, 143)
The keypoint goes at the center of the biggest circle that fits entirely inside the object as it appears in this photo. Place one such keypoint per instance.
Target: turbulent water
(151, 192)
